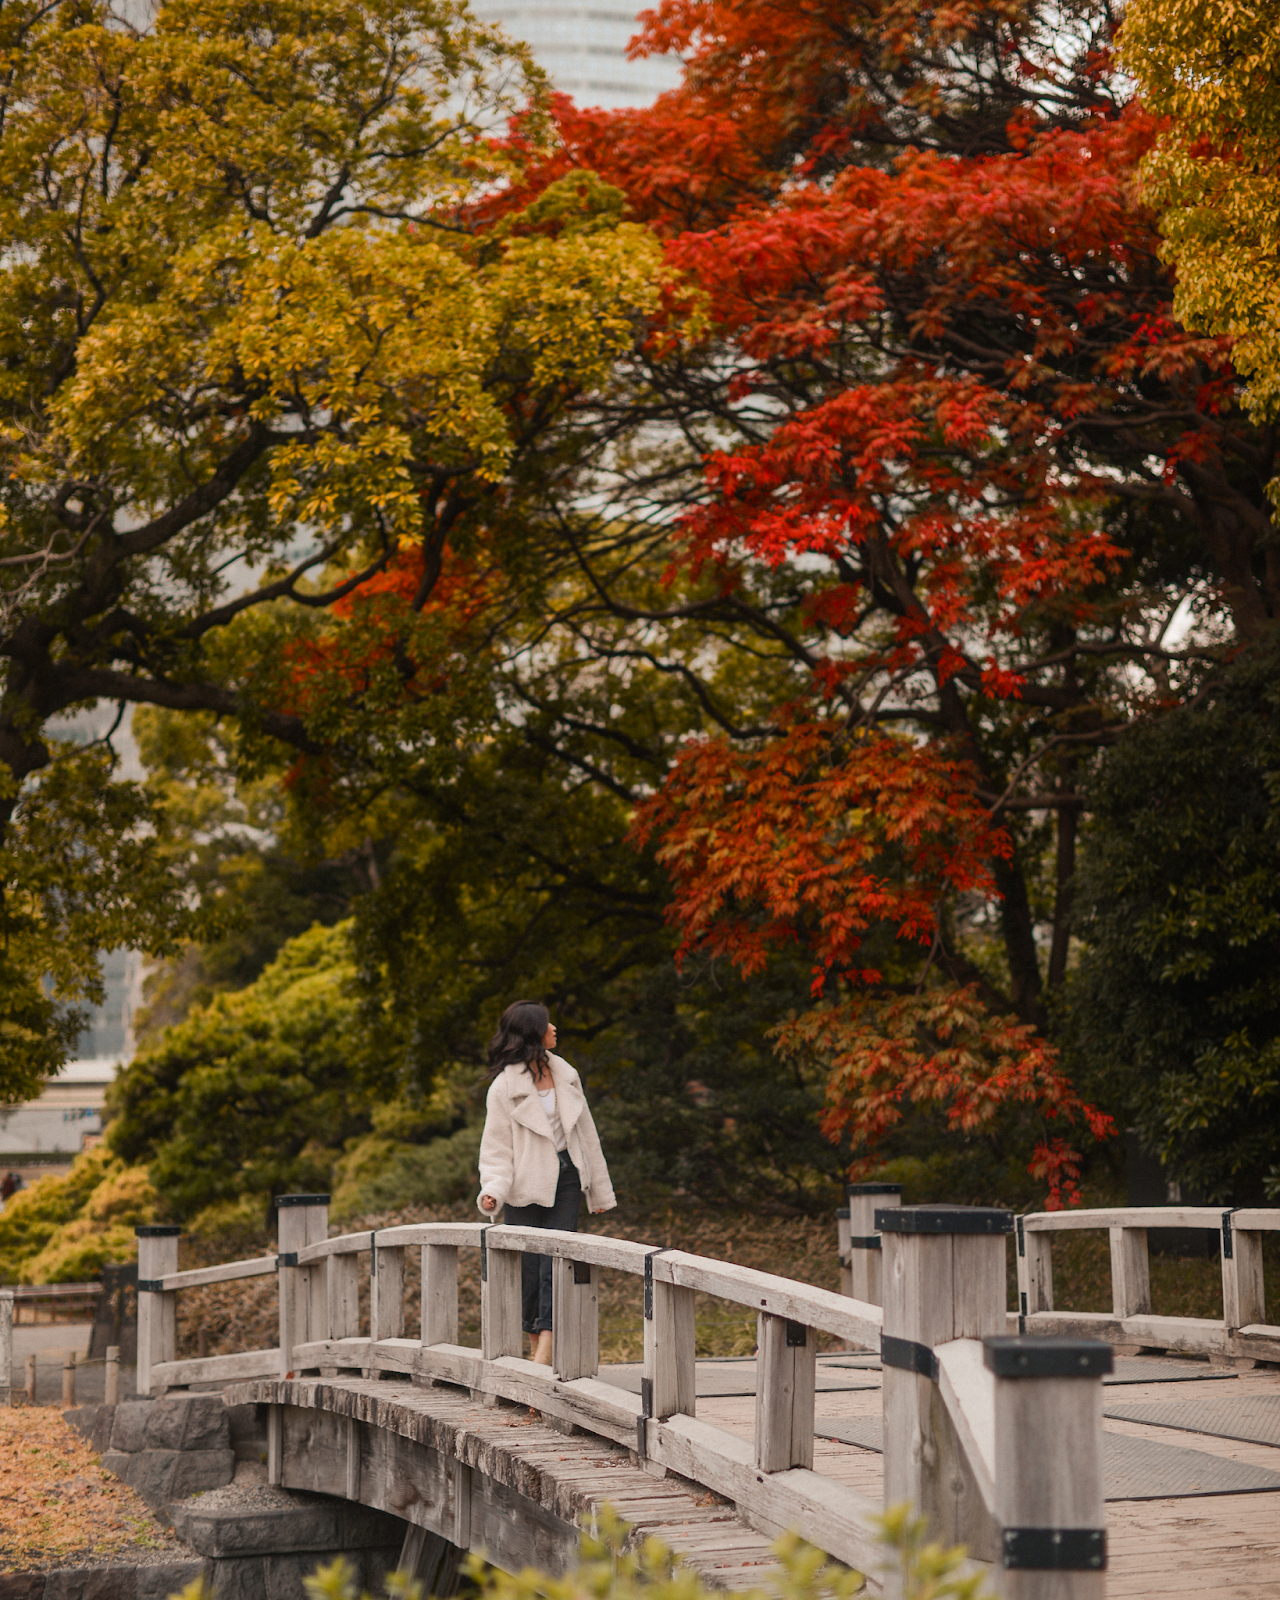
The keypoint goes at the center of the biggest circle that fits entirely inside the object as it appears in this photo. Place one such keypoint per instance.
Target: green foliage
(63, 1229)
(1173, 1016)
(223, 844)
(83, 868)
(254, 1094)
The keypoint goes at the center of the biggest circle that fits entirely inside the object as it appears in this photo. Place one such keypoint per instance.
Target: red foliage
(942, 334)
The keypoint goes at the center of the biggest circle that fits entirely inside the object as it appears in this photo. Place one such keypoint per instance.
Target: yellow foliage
(1213, 68)
(64, 1229)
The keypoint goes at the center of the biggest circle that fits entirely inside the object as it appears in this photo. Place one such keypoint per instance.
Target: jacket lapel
(526, 1108)
(569, 1100)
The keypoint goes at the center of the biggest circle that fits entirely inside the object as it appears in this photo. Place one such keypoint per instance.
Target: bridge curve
(502, 1481)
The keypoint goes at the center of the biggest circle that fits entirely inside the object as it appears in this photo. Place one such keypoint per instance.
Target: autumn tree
(932, 443)
(253, 352)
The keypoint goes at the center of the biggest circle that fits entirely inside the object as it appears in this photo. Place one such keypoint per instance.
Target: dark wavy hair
(521, 1030)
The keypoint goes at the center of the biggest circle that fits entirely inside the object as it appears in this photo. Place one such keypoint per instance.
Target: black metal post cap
(943, 1219)
(300, 1200)
(156, 1231)
(1011, 1355)
(873, 1188)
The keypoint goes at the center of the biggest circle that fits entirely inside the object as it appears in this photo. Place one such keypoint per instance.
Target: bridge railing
(998, 1440)
(1242, 1330)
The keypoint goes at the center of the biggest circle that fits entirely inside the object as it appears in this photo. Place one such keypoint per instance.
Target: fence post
(31, 1380)
(944, 1279)
(1035, 1270)
(6, 1347)
(301, 1219)
(439, 1294)
(1048, 1466)
(575, 1318)
(111, 1376)
(865, 1249)
(500, 1300)
(1130, 1272)
(157, 1311)
(1244, 1300)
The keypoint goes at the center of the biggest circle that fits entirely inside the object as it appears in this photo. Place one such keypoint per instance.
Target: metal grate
(1252, 1417)
(1133, 1469)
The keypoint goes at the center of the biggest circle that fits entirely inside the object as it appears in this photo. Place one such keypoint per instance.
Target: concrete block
(90, 1583)
(167, 1578)
(129, 1425)
(22, 1586)
(232, 1531)
(161, 1476)
(281, 1577)
(187, 1422)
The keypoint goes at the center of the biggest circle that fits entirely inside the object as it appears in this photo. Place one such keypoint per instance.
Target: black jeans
(536, 1270)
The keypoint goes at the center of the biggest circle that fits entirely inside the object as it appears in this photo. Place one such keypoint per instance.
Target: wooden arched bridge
(990, 1422)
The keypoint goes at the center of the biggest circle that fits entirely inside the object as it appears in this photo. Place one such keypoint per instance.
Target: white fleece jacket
(518, 1161)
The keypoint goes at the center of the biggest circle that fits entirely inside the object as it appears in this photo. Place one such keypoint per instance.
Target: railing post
(944, 1279)
(1130, 1272)
(111, 1376)
(1244, 1300)
(786, 1371)
(865, 1275)
(1048, 1466)
(6, 1346)
(1035, 1270)
(386, 1291)
(439, 1294)
(575, 1318)
(301, 1219)
(500, 1298)
(157, 1311)
(669, 1386)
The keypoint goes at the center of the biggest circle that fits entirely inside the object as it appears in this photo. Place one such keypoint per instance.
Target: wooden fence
(1243, 1329)
(997, 1438)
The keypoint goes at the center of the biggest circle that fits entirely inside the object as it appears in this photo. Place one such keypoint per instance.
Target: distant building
(583, 49)
(67, 1118)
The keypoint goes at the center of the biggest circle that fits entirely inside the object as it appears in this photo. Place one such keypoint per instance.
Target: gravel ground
(249, 1492)
(60, 1508)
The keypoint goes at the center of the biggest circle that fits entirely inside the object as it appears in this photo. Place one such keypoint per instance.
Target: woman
(540, 1153)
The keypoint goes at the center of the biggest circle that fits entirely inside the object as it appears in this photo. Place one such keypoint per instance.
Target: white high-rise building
(583, 49)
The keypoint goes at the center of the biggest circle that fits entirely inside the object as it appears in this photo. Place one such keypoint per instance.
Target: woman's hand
(487, 1202)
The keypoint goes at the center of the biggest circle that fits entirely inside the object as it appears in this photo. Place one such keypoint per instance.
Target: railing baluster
(157, 1312)
(500, 1333)
(575, 1318)
(343, 1285)
(1244, 1299)
(386, 1293)
(1130, 1272)
(670, 1343)
(786, 1366)
(1035, 1270)
(439, 1294)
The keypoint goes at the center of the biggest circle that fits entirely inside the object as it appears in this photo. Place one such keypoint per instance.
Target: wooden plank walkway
(1215, 1547)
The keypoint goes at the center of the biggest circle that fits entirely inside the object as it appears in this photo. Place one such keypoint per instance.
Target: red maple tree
(931, 326)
